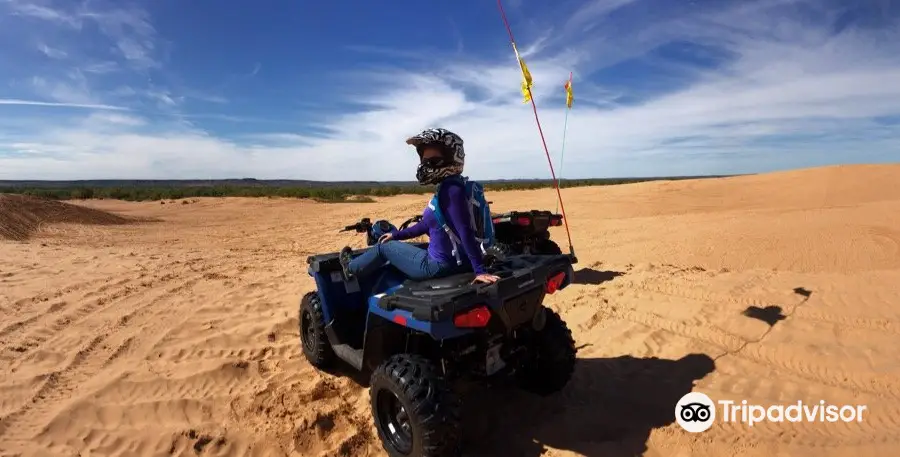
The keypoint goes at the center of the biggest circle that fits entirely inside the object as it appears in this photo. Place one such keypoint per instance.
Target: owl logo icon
(695, 412)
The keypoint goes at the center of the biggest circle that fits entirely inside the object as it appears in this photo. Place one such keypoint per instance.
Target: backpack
(479, 209)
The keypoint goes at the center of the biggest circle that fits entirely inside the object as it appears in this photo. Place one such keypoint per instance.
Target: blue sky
(329, 90)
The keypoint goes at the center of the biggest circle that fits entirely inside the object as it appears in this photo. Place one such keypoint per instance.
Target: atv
(516, 232)
(418, 340)
(526, 232)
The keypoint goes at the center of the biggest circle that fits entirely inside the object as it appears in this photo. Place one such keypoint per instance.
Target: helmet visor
(441, 147)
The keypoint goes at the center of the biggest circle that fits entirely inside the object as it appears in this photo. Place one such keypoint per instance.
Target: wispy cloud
(129, 27)
(100, 67)
(124, 47)
(52, 53)
(7, 101)
(115, 119)
(163, 98)
(133, 34)
(38, 11)
(584, 19)
(73, 88)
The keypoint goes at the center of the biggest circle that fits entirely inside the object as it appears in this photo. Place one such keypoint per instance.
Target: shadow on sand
(770, 314)
(594, 277)
(608, 409)
(774, 314)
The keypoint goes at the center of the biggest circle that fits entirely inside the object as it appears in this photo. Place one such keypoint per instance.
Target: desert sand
(177, 334)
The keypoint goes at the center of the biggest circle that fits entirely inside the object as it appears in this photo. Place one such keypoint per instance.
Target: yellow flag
(569, 95)
(526, 77)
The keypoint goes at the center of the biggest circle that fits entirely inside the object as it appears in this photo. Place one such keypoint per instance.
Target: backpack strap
(471, 188)
(435, 206)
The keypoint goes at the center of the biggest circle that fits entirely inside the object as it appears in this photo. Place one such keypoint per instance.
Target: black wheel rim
(309, 331)
(394, 421)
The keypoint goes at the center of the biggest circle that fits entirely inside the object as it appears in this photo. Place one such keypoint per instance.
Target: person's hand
(386, 237)
(485, 278)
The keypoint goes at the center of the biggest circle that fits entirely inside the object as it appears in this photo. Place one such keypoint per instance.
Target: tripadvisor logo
(696, 412)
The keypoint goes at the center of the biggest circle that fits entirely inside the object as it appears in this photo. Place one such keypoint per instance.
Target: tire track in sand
(882, 386)
(783, 359)
(46, 296)
(44, 330)
(111, 340)
(195, 399)
(38, 329)
(872, 430)
(97, 285)
(854, 323)
(14, 328)
(877, 426)
(261, 352)
(780, 358)
(55, 307)
(226, 379)
(737, 292)
(704, 333)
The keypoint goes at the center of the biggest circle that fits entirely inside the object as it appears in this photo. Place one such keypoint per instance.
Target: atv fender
(387, 331)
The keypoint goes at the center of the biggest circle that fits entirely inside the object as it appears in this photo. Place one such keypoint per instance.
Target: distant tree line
(325, 193)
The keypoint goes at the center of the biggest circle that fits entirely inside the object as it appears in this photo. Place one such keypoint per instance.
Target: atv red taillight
(524, 221)
(555, 282)
(473, 318)
(556, 222)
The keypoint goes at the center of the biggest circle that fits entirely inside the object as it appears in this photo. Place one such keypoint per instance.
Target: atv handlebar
(413, 220)
(362, 226)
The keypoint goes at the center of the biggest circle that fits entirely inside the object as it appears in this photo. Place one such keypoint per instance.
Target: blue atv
(418, 339)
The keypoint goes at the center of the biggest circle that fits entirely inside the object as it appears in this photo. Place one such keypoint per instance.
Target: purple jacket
(452, 199)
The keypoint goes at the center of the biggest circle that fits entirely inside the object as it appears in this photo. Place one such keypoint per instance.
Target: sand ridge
(23, 215)
(179, 337)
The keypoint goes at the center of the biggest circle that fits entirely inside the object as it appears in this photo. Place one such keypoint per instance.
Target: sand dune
(179, 337)
(22, 215)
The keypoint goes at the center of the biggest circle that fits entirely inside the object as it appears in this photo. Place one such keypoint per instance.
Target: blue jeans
(412, 261)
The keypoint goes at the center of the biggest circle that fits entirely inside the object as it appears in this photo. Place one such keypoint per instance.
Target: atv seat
(433, 299)
(438, 285)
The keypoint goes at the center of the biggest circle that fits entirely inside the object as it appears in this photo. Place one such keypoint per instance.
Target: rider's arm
(416, 230)
(459, 219)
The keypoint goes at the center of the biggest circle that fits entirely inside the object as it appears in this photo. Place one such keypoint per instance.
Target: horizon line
(351, 182)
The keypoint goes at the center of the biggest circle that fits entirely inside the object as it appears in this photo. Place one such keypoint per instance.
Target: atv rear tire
(313, 341)
(551, 363)
(546, 247)
(415, 411)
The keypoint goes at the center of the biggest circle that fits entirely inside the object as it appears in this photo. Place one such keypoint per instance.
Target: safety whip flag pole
(569, 98)
(526, 92)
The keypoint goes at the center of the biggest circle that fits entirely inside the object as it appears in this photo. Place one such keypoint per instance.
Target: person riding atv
(441, 162)
(422, 321)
